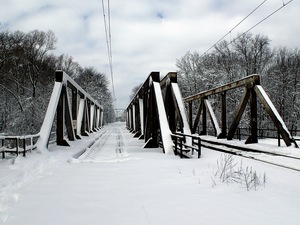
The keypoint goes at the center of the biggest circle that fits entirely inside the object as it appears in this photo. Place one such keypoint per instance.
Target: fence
(17, 144)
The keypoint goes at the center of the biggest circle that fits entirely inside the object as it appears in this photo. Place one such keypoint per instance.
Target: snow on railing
(18, 144)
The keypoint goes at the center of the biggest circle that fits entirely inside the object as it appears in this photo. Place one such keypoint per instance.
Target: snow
(163, 121)
(108, 178)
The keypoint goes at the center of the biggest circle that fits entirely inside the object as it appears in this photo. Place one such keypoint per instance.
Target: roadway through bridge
(109, 146)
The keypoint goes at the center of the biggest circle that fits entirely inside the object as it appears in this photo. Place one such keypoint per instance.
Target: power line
(107, 27)
(229, 32)
(271, 14)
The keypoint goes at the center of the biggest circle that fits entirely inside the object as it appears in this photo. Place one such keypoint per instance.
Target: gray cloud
(147, 35)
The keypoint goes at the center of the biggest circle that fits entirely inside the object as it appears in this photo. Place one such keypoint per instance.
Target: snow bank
(146, 187)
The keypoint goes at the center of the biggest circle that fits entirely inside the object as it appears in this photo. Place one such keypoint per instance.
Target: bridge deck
(119, 182)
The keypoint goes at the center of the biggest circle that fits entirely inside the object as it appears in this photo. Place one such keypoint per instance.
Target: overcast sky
(147, 35)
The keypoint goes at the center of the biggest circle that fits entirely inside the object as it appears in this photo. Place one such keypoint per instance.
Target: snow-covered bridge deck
(119, 182)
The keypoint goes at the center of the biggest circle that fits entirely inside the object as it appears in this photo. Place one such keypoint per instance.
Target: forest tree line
(248, 54)
(27, 76)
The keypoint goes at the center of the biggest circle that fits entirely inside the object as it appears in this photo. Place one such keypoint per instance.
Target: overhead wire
(229, 32)
(271, 14)
(107, 27)
(265, 18)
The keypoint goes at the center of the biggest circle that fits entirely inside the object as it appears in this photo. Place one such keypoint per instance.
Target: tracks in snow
(276, 159)
(109, 147)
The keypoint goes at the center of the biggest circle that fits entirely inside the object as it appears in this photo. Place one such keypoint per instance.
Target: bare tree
(134, 91)
(68, 65)
(254, 53)
(282, 82)
(96, 84)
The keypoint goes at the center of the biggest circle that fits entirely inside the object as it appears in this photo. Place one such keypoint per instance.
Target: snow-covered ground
(117, 182)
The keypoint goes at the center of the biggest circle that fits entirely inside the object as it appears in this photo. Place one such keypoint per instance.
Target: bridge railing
(181, 146)
(18, 144)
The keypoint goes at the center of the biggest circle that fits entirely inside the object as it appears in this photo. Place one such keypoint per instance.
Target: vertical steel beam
(74, 110)
(253, 118)
(197, 119)
(68, 115)
(223, 115)
(191, 114)
(85, 120)
(60, 119)
(80, 116)
(101, 117)
(204, 119)
(141, 106)
(171, 108)
(92, 117)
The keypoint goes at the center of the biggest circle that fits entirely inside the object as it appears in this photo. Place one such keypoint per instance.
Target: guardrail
(182, 147)
(17, 144)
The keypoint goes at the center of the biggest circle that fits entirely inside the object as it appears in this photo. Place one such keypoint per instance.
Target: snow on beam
(213, 117)
(278, 121)
(141, 105)
(92, 116)
(163, 121)
(134, 117)
(45, 131)
(181, 108)
(80, 117)
(248, 81)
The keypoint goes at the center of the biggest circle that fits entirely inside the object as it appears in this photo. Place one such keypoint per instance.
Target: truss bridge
(162, 117)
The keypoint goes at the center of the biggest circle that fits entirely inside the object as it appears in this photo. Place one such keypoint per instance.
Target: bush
(228, 171)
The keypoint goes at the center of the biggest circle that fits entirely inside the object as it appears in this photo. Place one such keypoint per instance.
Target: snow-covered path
(118, 182)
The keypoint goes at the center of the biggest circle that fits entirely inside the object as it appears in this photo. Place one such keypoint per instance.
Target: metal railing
(17, 144)
(181, 145)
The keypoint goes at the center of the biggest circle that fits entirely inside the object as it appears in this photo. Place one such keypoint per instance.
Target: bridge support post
(253, 118)
(191, 115)
(60, 120)
(141, 106)
(223, 115)
(204, 119)
(75, 111)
